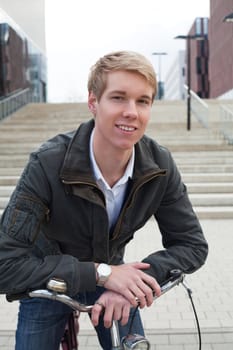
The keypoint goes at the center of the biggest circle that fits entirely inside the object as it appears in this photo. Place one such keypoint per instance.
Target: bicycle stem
(115, 336)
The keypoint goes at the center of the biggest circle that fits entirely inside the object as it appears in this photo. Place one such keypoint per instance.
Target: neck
(112, 165)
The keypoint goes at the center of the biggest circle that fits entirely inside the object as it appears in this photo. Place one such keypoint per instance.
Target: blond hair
(120, 61)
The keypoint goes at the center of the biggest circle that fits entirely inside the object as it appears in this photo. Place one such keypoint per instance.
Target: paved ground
(169, 323)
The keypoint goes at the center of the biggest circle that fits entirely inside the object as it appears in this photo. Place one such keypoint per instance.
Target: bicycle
(56, 290)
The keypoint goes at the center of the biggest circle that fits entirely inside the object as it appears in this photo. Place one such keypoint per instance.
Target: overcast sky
(78, 32)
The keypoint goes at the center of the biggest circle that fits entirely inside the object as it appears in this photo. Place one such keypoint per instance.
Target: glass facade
(22, 63)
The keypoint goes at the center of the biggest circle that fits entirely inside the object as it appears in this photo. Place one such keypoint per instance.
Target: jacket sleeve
(27, 258)
(185, 246)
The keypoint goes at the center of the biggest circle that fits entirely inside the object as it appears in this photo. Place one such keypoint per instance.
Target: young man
(79, 201)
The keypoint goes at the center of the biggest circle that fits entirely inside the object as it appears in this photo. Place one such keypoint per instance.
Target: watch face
(104, 270)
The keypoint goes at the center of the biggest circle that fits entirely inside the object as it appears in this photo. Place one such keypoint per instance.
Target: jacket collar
(77, 165)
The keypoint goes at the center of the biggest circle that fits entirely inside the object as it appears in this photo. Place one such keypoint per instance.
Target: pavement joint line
(150, 331)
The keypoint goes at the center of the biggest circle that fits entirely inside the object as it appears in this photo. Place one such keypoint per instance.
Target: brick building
(199, 57)
(211, 60)
(221, 49)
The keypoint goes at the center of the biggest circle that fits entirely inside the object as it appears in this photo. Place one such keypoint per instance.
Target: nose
(130, 109)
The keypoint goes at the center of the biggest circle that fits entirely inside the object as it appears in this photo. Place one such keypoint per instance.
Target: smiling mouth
(126, 128)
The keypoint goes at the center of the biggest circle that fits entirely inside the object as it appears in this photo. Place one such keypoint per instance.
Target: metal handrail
(12, 103)
(226, 123)
(199, 108)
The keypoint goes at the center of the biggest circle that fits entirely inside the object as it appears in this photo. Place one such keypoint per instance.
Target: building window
(198, 26)
(205, 26)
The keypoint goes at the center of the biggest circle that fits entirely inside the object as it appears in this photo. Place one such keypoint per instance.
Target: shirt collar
(97, 173)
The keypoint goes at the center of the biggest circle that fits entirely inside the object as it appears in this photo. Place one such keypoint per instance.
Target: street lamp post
(160, 88)
(189, 38)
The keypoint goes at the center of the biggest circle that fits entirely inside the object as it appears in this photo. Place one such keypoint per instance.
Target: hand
(130, 281)
(114, 306)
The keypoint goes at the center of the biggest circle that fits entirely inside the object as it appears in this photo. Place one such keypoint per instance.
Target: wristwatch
(103, 273)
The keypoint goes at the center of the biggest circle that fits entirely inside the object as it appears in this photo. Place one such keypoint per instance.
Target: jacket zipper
(139, 185)
(67, 182)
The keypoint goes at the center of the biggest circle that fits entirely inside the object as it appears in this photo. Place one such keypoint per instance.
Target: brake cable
(189, 292)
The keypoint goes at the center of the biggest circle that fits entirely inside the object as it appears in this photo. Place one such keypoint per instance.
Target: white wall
(175, 80)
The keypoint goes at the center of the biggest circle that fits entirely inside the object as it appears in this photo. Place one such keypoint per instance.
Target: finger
(108, 316)
(95, 313)
(130, 296)
(140, 265)
(125, 315)
(152, 283)
(140, 296)
(117, 312)
(145, 294)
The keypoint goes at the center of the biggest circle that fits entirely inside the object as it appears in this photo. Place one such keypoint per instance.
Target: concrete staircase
(203, 157)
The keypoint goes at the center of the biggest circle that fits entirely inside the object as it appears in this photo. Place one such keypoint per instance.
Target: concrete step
(215, 213)
(206, 168)
(16, 160)
(196, 147)
(10, 171)
(211, 199)
(6, 191)
(205, 154)
(29, 137)
(21, 149)
(196, 160)
(184, 141)
(206, 157)
(207, 177)
(9, 180)
(3, 201)
(39, 125)
(213, 187)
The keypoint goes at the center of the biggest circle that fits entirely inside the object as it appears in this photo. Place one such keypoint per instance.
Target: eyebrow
(121, 92)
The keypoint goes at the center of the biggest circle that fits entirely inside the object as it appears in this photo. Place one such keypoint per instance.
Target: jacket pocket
(22, 220)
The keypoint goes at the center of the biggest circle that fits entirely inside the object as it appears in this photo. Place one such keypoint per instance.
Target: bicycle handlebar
(176, 277)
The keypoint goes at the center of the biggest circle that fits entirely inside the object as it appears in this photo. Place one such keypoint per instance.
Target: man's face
(123, 111)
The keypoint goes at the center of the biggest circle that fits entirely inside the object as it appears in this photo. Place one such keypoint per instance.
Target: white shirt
(115, 195)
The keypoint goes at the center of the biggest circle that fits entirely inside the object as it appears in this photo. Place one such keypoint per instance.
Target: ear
(92, 100)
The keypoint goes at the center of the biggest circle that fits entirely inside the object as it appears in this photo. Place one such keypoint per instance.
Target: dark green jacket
(56, 223)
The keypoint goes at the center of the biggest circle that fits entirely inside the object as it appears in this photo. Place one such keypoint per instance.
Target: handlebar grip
(17, 296)
(57, 285)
